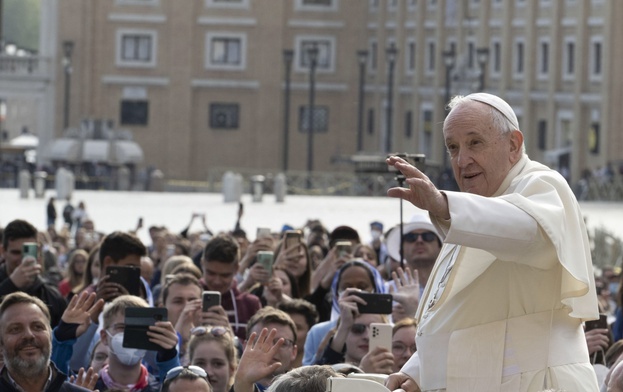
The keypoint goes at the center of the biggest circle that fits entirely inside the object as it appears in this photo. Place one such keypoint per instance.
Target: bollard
(280, 188)
(40, 177)
(123, 179)
(257, 188)
(232, 187)
(156, 183)
(24, 184)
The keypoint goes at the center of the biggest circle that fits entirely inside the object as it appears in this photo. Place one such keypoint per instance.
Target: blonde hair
(119, 304)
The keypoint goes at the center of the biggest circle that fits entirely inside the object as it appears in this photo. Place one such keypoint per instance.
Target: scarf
(143, 380)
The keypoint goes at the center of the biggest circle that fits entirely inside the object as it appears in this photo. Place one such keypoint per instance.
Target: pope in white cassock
(504, 306)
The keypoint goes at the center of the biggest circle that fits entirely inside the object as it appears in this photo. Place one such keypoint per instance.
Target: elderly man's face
(481, 155)
(26, 340)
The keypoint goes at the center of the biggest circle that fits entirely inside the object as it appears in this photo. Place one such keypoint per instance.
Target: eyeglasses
(399, 348)
(214, 331)
(287, 343)
(358, 329)
(427, 236)
(176, 371)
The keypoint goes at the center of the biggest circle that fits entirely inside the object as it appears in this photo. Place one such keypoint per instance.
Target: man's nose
(463, 157)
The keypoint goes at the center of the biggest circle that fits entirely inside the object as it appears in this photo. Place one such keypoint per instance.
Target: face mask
(125, 355)
(375, 234)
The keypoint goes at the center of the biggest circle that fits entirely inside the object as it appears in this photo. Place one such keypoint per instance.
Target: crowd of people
(494, 283)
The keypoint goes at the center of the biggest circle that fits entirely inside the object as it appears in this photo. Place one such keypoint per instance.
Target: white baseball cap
(419, 221)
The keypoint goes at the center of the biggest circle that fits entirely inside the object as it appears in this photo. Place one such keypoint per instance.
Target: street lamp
(482, 55)
(391, 53)
(68, 47)
(312, 55)
(288, 55)
(362, 58)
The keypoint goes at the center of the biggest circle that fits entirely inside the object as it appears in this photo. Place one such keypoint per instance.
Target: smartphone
(265, 258)
(127, 276)
(263, 232)
(137, 322)
(209, 299)
(376, 303)
(380, 335)
(30, 251)
(292, 238)
(601, 323)
(343, 248)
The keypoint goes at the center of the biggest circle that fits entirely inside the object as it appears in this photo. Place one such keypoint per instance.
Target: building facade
(202, 83)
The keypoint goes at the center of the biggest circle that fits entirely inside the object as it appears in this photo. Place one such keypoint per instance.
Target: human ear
(516, 145)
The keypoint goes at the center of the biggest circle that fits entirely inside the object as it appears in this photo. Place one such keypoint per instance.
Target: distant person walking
(68, 212)
(51, 212)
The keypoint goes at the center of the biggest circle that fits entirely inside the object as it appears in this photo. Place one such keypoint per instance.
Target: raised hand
(85, 380)
(255, 363)
(406, 293)
(82, 309)
(163, 334)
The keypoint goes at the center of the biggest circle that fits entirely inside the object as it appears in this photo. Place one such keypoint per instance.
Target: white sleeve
(412, 368)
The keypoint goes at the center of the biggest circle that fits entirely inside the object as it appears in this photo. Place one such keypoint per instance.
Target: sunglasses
(176, 371)
(214, 331)
(358, 329)
(427, 236)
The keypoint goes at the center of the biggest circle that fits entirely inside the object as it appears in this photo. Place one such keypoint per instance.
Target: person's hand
(108, 291)
(82, 309)
(348, 307)
(189, 318)
(25, 274)
(85, 380)
(406, 293)
(273, 291)
(379, 360)
(402, 381)
(335, 263)
(422, 193)
(264, 243)
(257, 273)
(215, 316)
(255, 363)
(288, 258)
(163, 334)
(597, 339)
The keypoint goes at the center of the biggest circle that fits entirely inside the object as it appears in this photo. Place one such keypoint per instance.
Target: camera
(416, 160)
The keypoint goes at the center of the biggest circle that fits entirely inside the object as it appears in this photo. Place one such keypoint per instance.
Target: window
(519, 57)
(593, 138)
(596, 58)
(326, 53)
(497, 57)
(136, 48)
(392, 5)
(370, 121)
(408, 124)
(224, 115)
(320, 119)
(543, 59)
(134, 112)
(373, 5)
(225, 51)
(430, 54)
(227, 3)
(426, 136)
(410, 58)
(542, 134)
(471, 54)
(373, 56)
(316, 5)
(569, 63)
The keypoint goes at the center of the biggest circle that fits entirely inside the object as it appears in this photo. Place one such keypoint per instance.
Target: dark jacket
(246, 306)
(59, 382)
(40, 289)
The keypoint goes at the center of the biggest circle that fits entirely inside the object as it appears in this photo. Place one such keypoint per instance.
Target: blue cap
(376, 225)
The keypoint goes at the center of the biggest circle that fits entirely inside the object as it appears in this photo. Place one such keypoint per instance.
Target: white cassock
(503, 308)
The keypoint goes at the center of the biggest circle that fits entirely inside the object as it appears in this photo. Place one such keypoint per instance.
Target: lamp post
(68, 47)
(362, 58)
(312, 56)
(482, 55)
(391, 53)
(288, 54)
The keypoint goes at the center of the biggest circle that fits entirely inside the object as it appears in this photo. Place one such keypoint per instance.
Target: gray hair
(304, 379)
